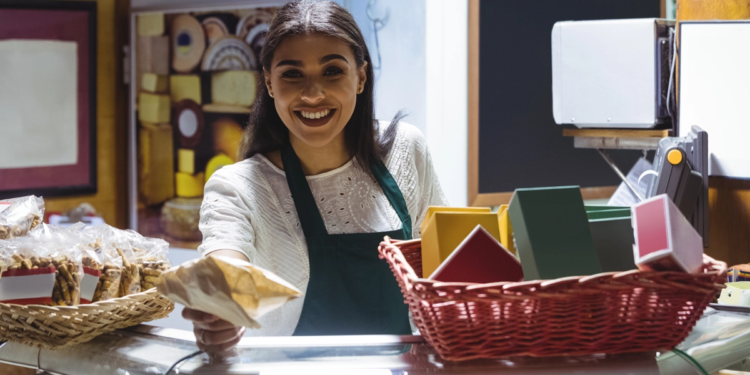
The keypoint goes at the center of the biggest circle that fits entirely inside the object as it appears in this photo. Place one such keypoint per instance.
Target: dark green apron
(351, 291)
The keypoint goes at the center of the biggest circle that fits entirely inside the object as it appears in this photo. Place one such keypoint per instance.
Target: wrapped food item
(101, 256)
(55, 258)
(130, 280)
(18, 216)
(5, 256)
(130, 275)
(151, 255)
(23, 281)
(108, 286)
(232, 289)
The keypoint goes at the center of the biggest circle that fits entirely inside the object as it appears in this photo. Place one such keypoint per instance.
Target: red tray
(613, 312)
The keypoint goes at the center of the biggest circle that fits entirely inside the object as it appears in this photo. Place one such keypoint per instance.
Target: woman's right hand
(213, 335)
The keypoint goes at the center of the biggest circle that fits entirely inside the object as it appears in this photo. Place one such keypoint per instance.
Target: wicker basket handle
(402, 266)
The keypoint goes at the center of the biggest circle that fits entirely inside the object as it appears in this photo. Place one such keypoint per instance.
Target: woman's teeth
(315, 115)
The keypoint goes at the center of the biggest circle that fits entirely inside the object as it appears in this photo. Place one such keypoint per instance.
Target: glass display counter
(721, 339)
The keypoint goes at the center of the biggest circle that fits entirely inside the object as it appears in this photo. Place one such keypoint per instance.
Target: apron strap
(394, 195)
(304, 201)
(307, 209)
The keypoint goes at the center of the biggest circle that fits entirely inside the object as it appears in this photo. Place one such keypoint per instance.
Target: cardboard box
(480, 258)
(552, 233)
(446, 230)
(613, 241)
(432, 209)
(506, 228)
(736, 294)
(664, 239)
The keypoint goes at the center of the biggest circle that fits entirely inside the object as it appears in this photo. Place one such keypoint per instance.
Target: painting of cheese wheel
(253, 28)
(227, 137)
(214, 28)
(218, 162)
(188, 43)
(229, 53)
(234, 87)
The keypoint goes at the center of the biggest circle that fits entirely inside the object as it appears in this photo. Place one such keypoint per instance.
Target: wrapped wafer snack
(18, 216)
(114, 241)
(43, 270)
(232, 289)
(151, 256)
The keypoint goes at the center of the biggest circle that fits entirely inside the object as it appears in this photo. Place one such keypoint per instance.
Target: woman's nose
(312, 91)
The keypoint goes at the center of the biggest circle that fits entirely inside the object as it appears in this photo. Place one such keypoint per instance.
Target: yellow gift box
(445, 230)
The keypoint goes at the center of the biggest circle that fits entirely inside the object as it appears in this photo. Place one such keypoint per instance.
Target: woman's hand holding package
(211, 333)
(223, 293)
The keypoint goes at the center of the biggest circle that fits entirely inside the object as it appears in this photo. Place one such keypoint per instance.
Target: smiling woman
(322, 183)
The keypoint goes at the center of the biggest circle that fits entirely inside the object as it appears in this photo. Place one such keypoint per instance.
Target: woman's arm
(227, 231)
(230, 253)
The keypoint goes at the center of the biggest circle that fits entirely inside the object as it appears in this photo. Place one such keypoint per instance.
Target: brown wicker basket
(58, 326)
(612, 312)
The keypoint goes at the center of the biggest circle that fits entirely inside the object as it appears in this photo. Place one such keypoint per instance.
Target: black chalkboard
(519, 143)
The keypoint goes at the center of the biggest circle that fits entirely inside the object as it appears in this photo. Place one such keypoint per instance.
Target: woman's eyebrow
(296, 63)
(323, 60)
(334, 56)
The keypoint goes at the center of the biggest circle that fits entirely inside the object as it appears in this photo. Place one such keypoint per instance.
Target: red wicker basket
(609, 313)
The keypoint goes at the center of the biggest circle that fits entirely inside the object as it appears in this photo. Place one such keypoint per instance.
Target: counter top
(719, 340)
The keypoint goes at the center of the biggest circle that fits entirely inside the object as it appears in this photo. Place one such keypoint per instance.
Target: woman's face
(314, 81)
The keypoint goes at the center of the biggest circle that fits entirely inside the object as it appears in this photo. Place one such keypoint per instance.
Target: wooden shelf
(225, 108)
(617, 133)
(617, 139)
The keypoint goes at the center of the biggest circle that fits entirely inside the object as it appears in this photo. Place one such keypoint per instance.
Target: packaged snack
(108, 286)
(112, 238)
(232, 289)
(100, 259)
(151, 254)
(26, 279)
(54, 258)
(5, 256)
(18, 216)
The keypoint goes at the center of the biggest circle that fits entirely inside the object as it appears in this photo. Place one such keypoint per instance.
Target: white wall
(400, 83)
(447, 94)
(424, 48)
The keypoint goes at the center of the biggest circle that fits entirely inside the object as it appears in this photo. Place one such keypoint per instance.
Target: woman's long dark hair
(266, 132)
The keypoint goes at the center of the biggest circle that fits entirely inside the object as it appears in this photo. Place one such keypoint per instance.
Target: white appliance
(611, 73)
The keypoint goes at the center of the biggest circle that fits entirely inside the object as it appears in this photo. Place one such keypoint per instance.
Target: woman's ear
(362, 78)
(267, 79)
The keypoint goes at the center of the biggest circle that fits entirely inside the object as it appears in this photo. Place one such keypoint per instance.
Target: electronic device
(681, 164)
(612, 73)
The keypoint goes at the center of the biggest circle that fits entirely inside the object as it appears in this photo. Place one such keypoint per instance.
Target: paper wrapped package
(231, 289)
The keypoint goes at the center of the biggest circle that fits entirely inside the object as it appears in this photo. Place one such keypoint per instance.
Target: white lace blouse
(247, 207)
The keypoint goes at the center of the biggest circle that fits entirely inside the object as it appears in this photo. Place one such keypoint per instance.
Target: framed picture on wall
(47, 98)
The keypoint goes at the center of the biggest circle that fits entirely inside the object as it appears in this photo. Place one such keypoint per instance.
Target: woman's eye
(291, 74)
(332, 71)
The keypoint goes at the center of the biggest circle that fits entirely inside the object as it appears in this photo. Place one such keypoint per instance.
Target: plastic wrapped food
(232, 289)
(108, 237)
(151, 255)
(18, 216)
(56, 254)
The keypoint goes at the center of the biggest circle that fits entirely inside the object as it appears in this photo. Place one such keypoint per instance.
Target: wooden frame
(475, 198)
(79, 178)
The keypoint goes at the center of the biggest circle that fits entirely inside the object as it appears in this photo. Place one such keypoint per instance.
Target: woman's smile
(315, 117)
